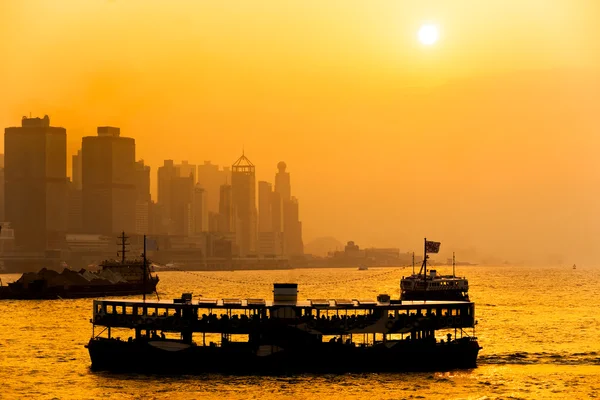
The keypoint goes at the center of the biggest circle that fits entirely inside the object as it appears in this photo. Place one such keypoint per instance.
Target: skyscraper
(265, 212)
(226, 210)
(182, 217)
(270, 241)
(292, 227)
(282, 182)
(199, 210)
(143, 198)
(76, 170)
(210, 177)
(108, 182)
(36, 183)
(187, 169)
(165, 176)
(2, 188)
(243, 186)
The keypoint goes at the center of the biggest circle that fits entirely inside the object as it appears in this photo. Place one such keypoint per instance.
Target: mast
(145, 270)
(413, 262)
(123, 243)
(425, 257)
(453, 265)
(425, 269)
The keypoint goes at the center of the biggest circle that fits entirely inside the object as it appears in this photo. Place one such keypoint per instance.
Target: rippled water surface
(539, 328)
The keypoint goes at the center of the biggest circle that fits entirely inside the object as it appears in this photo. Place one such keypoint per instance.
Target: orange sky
(487, 139)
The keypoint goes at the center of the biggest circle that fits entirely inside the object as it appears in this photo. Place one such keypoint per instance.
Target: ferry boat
(282, 335)
(123, 277)
(433, 286)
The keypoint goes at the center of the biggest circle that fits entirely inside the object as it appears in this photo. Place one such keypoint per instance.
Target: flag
(432, 247)
(151, 244)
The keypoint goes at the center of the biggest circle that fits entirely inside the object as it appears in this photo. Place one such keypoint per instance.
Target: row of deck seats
(224, 322)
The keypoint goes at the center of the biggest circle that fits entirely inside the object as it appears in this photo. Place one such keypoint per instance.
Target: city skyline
(485, 139)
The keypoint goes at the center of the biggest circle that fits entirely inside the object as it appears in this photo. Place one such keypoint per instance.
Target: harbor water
(539, 329)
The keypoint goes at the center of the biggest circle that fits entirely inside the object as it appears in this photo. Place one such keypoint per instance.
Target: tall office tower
(265, 212)
(74, 196)
(210, 177)
(35, 176)
(2, 193)
(292, 227)
(74, 206)
(182, 217)
(165, 176)
(276, 212)
(226, 210)
(143, 198)
(270, 238)
(76, 170)
(282, 182)
(199, 210)
(187, 169)
(108, 182)
(243, 187)
(292, 233)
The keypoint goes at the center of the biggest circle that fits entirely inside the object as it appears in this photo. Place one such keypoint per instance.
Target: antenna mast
(123, 243)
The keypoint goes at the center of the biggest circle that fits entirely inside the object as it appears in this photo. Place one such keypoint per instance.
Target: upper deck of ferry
(202, 314)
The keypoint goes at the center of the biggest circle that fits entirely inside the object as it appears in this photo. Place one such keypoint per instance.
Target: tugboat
(434, 286)
(116, 278)
(282, 335)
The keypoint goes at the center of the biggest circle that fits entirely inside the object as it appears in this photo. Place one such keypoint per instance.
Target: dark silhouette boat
(433, 286)
(115, 278)
(284, 335)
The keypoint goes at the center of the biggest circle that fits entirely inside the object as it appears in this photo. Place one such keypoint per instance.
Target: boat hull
(444, 295)
(77, 292)
(175, 357)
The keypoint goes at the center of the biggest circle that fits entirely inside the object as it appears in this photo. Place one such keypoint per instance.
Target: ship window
(110, 309)
(139, 311)
(129, 310)
(454, 312)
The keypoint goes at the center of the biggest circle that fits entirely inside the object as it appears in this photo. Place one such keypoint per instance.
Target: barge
(282, 335)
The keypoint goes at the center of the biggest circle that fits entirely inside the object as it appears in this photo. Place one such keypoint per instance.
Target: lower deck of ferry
(175, 356)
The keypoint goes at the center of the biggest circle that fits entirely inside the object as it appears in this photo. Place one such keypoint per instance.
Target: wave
(525, 358)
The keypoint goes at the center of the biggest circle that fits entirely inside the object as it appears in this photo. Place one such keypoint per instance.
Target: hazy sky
(487, 139)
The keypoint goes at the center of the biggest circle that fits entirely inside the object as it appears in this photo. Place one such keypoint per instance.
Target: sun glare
(428, 34)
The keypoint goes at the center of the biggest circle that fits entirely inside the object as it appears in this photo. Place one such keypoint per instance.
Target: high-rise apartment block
(36, 183)
(108, 182)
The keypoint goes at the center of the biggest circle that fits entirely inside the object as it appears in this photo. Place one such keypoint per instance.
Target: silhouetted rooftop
(243, 162)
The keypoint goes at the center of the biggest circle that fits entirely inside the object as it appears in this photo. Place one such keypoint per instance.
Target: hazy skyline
(486, 139)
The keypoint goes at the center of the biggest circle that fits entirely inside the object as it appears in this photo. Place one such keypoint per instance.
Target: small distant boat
(363, 268)
(434, 286)
(574, 266)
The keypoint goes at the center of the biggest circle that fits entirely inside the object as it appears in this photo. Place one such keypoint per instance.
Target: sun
(428, 34)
